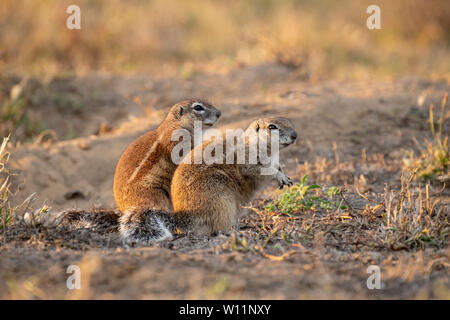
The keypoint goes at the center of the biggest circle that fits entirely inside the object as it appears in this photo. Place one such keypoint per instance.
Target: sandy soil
(336, 120)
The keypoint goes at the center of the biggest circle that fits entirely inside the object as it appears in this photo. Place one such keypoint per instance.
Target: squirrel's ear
(254, 126)
(181, 111)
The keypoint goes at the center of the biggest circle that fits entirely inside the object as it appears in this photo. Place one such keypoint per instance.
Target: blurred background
(44, 65)
(320, 38)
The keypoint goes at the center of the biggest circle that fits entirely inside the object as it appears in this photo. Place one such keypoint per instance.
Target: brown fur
(144, 171)
(207, 198)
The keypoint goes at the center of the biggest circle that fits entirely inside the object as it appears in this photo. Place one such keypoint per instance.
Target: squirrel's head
(265, 127)
(189, 111)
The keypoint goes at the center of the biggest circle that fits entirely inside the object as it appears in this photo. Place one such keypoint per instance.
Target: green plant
(15, 112)
(298, 198)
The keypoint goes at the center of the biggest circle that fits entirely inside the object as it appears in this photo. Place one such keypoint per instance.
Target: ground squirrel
(208, 197)
(144, 171)
(142, 177)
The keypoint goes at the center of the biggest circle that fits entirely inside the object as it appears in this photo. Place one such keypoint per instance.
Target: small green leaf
(305, 177)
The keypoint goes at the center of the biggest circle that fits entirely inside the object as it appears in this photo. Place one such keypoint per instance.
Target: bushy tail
(145, 227)
(140, 227)
(102, 221)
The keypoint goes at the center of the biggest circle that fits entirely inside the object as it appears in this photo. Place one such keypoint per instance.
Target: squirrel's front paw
(283, 180)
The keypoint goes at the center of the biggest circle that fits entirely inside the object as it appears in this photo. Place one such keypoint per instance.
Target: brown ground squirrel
(145, 170)
(206, 197)
(142, 178)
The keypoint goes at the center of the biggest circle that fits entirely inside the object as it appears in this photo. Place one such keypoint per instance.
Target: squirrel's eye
(272, 127)
(198, 107)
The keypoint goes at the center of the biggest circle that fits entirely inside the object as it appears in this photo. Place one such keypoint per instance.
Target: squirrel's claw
(284, 181)
(290, 183)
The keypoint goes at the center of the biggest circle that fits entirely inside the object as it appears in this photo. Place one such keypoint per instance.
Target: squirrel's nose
(294, 135)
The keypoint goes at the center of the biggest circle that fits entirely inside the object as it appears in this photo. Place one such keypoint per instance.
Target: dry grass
(407, 216)
(433, 162)
(5, 206)
(319, 38)
(21, 215)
